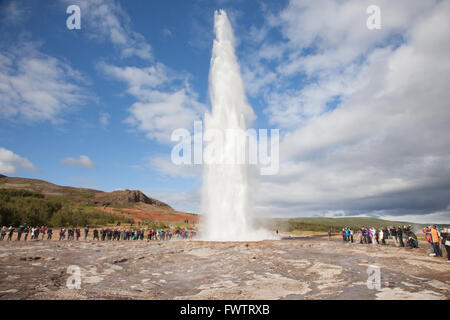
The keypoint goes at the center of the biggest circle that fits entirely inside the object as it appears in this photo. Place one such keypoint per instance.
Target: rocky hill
(126, 197)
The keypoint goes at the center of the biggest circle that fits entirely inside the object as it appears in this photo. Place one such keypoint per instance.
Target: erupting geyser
(225, 194)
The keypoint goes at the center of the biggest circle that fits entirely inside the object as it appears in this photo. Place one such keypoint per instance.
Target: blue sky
(362, 113)
(180, 39)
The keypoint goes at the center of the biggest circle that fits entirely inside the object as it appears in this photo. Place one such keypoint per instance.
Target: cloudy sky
(364, 115)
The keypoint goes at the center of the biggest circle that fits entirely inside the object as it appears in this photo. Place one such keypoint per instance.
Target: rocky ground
(312, 268)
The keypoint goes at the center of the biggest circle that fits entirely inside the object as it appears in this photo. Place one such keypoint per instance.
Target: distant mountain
(2, 176)
(121, 198)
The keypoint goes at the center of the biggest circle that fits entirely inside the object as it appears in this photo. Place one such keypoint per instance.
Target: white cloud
(441, 217)
(165, 101)
(10, 162)
(35, 86)
(165, 112)
(325, 44)
(140, 81)
(384, 147)
(12, 12)
(107, 20)
(167, 32)
(82, 161)
(104, 118)
(335, 32)
(164, 166)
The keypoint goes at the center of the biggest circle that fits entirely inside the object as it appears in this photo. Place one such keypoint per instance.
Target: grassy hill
(335, 224)
(18, 206)
(84, 196)
(38, 202)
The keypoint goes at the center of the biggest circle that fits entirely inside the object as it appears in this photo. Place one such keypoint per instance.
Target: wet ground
(312, 268)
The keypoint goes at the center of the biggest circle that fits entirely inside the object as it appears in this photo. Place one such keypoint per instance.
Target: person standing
(43, 228)
(446, 242)
(394, 235)
(19, 232)
(86, 231)
(435, 241)
(3, 233)
(426, 230)
(62, 234)
(10, 233)
(373, 232)
(26, 231)
(96, 234)
(49, 233)
(400, 236)
(383, 236)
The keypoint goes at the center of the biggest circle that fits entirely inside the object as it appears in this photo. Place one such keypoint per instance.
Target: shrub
(23, 206)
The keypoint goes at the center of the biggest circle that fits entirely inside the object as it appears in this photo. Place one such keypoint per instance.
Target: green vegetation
(158, 225)
(325, 224)
(21, 206)
(87, 195)
(177, 225)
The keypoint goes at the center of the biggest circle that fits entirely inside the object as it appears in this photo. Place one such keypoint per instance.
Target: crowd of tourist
(103, 234)
(401, 237)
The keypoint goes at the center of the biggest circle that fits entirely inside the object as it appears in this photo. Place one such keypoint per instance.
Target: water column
(225, 193)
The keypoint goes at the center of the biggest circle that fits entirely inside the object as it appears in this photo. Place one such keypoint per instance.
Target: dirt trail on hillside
(294, 269)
